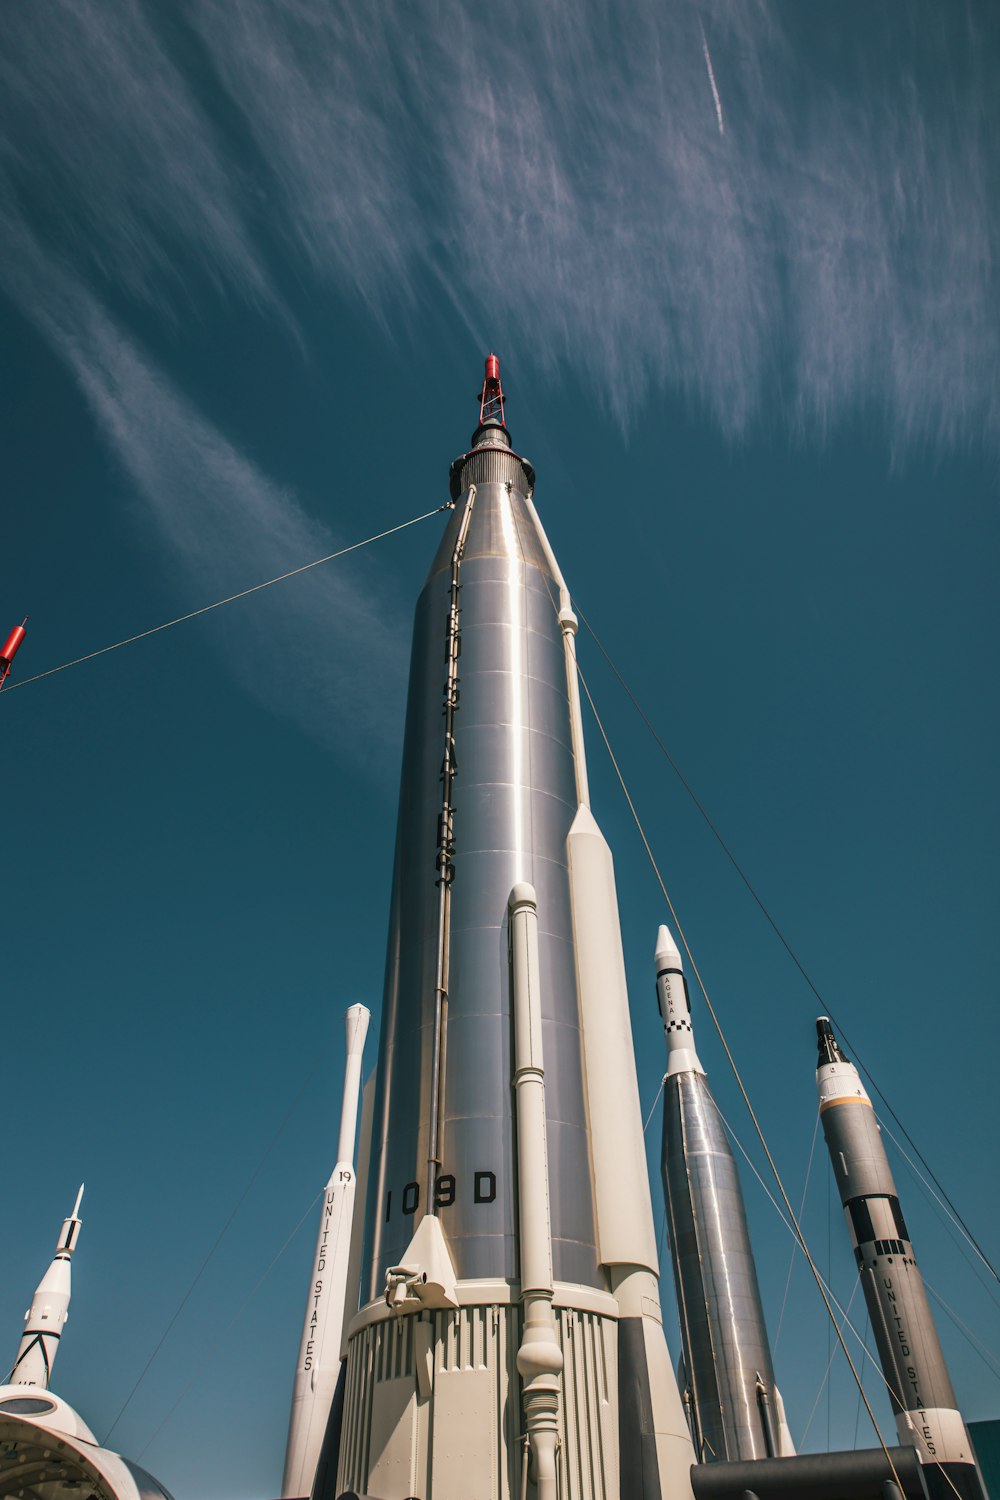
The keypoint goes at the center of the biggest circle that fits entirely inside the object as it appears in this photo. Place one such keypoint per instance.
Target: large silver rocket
(502, 1319)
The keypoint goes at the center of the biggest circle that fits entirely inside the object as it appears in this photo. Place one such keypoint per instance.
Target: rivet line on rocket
(736, 1073)
(944, 1200)
(9, 687)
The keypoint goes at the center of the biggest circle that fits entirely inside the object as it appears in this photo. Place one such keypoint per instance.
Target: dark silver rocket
(920, 1388)
(734, 1408)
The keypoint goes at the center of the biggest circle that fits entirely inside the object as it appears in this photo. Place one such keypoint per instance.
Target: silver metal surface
(514, 800)
(721, 1318)
(909, 1350)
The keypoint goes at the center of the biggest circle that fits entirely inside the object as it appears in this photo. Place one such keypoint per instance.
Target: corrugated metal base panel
(432, 1407)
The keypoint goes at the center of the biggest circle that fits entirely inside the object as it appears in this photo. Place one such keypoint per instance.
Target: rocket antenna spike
(491, 397)
(76, 1206)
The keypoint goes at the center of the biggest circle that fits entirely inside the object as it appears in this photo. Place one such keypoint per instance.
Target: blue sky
(740, 264)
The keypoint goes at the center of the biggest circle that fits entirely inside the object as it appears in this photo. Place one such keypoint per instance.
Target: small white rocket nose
(675, 1007)
(667, 953)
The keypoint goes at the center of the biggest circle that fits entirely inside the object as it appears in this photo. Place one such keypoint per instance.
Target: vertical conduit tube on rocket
(727, 1356)
(920, 1388)
(539, 1359)
(319, 1362)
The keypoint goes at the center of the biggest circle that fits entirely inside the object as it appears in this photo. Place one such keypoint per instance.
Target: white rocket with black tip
(318, 1366)
(45, 1318)
(920, 1388)
(734, 1407)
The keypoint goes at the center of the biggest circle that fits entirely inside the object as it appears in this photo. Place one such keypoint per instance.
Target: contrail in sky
(711, 79)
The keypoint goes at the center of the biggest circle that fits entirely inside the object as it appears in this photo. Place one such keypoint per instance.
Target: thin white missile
(318, 1364)
(46, 1317)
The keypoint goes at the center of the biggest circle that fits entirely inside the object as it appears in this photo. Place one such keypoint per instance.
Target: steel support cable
(237, 1315)
(215, 1245)
(791, 1261)
(960, 1222)
(876, 1366)
(944, 1207)
(833, 1298)
(230, 599)
(655, 1102)
(739, 1080)
(826, 1377)
(983, 1350)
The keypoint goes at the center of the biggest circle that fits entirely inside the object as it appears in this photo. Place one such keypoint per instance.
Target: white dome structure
(47, 1452)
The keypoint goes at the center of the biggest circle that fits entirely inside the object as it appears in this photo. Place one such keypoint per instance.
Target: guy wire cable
(216, 1243)
(230, 599)
(736, 1073)
(781, 936)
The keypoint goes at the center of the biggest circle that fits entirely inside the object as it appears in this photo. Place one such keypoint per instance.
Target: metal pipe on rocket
(45, 1318)
(920, 1388)
(319, 1351)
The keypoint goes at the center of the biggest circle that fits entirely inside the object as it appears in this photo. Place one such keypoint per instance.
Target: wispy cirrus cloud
(562, 173)
(107, 152)
(325, 650)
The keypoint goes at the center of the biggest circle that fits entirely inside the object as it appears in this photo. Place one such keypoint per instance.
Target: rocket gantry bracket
(426, 1276)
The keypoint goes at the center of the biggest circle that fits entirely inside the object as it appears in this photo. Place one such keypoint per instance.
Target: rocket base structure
(508, 1343)
(920, 1388)
(735, 1409)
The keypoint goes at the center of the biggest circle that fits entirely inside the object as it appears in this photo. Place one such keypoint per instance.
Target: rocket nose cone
(667, 953)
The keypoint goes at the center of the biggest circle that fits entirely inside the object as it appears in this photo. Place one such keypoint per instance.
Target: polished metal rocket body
(734, 1411)
(464, 1380)
(920, 1388)
(515, 801)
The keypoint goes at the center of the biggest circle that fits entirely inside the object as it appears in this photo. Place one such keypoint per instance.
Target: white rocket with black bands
(46, 1317)
(920, 1389)
(734, 1408)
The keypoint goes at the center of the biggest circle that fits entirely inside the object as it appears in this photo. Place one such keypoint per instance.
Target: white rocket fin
(784, 1431)
(426, 1275)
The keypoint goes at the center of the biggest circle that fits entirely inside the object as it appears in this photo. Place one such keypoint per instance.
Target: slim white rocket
(319, 1352)
(44, 1320)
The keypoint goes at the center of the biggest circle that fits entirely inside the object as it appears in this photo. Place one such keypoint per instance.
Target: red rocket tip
(491, 397)
(12, 644)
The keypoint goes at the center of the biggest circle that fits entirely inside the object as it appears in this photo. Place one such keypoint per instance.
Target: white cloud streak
(559, 171)
(326, 649)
